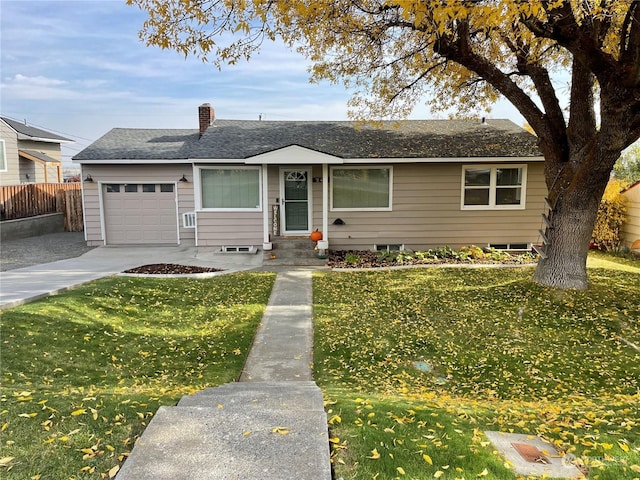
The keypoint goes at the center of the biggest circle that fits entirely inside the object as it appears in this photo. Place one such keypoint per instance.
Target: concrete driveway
(22, 285)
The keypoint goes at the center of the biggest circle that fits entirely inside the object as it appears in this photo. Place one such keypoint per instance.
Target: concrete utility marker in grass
(270, 425)
(531, 456)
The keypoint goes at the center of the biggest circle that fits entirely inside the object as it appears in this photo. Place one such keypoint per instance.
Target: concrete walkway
(269, 426)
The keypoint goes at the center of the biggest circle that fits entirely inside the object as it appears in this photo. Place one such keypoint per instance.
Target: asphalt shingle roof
(43, 157)
(34, 132)
(241, 139)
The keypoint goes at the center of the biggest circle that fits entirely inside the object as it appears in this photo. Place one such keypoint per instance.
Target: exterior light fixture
(183, 179)
(88, 179)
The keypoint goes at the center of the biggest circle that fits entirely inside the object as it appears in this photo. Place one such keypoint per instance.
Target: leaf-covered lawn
(420, 362)
(84, 371)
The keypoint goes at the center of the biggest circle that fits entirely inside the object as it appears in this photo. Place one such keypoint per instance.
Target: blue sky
(78, 68)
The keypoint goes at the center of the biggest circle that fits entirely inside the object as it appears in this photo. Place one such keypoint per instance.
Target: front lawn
(84, 371)
(417, 363)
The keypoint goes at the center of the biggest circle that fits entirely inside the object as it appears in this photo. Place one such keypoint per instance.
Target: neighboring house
(631, 227)
(238, 183)
(29, 154)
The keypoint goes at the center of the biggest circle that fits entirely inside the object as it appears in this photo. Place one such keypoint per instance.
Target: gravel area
(52, 247)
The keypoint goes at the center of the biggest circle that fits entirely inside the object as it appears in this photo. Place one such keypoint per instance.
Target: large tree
(469, 52)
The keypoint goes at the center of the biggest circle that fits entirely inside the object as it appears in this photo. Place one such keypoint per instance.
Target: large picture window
(488, 187)
(230, 188)
(356, 188)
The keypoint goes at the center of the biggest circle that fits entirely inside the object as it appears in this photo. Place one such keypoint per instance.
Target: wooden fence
(33, 199)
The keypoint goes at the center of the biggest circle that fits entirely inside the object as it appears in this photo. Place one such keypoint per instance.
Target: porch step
(261, 430)
(303, 395)
(293, 252)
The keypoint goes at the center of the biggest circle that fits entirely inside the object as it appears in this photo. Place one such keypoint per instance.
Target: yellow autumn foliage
(607, 233)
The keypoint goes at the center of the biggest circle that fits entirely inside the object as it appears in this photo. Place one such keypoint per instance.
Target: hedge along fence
(33, 199)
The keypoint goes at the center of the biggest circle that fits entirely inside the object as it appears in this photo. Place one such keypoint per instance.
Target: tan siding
(216, 229)
(631, 228)
(426, 213)
(135, 173)
(36, 170)
(426, 210)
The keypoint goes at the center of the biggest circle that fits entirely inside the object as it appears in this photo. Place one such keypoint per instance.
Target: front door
(295, 189)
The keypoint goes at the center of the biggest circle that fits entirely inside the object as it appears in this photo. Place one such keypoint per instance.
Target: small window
(3, 157)
(166, 187)
(356, 188)
(112, 188)
(391, 247)
(131, 188)
(149, 188)
(493, 187)
(511, 246)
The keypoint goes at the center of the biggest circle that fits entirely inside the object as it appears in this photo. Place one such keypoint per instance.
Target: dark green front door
(295, 200)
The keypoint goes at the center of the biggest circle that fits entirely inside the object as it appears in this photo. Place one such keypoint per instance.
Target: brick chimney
(206, 116)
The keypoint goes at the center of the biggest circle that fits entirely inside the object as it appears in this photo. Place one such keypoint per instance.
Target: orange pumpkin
(316, 236)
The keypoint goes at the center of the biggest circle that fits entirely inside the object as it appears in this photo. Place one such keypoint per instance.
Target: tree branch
(458, 50)
(630, 45)
(582, 41)
(582, 118)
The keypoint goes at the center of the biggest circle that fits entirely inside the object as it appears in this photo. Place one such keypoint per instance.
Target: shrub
(352, 258)
(607, 233)
(472, 252)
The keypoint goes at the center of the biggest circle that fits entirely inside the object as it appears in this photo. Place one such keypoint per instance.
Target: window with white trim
(487, 187)
(230, 188)
(361, 188)
(3, 157)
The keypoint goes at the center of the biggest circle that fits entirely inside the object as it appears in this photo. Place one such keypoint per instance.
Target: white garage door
(137, 213)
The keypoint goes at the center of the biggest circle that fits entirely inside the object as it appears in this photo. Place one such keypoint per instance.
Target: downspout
(325, 206)
(266, 243)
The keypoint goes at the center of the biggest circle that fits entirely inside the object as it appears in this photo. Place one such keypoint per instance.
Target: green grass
(83, 372)
(506, 354)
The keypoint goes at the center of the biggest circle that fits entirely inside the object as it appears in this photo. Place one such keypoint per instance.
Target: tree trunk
(572, 220)
(565, 265)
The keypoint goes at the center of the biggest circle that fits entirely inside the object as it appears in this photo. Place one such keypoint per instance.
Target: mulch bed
(171, 269)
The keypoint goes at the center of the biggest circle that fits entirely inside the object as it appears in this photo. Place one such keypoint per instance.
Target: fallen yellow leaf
(400, 470)
(374, 454)
(483, 473)
(113, 471)
(5, 461)
(280, 430)
(427, 459)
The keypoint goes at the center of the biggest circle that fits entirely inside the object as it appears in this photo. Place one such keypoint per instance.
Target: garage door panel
(142, 217)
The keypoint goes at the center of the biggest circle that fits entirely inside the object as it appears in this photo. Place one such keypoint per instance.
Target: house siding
(132, 174)
(426, 213)
(631, 227)
(12, 175)
(18, 168)
(217, 229)
(35, 170)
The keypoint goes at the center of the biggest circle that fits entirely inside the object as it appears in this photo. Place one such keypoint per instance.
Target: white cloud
(39, 81)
